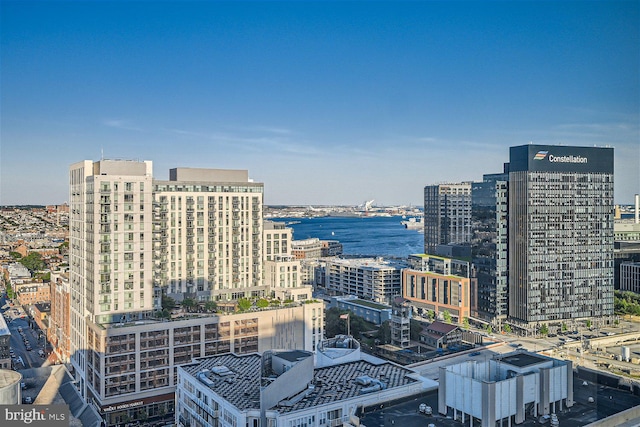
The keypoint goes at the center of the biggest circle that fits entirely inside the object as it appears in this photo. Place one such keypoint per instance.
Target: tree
(384, 333)
(33, 262)
(168, 303)
(415, 327)
(262, 303)
(210, 306)
(588, 323)
(15, 255)
(446, 316)
(507, 328)
(488, 328)
(564, 327)
(465, 323)
(244, 304)
(189, 304)
(544, 329)
(431, 315)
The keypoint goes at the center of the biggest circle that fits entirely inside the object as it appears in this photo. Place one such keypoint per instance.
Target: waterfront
(377, 236)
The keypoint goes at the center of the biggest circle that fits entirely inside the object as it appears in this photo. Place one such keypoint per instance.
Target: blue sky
(324, 102)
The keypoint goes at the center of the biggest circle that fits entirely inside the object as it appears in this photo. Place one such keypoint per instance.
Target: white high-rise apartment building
(110, 247)
(208, 241)
(197, 235)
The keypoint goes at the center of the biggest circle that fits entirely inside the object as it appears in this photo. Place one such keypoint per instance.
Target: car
(27, 399)
(475, 353)
(29, 348)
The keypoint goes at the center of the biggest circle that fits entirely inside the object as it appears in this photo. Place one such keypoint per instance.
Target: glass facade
(560, 235)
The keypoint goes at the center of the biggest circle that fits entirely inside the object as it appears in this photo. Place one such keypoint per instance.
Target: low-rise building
(59, 327)
(370, 311)
(441, 335)
(439, 284)
(630, 277)
(307, 248)
(32, 293)
(5, 345)
(505, 388)
(282, 388)
(131, 366)
(370, 278)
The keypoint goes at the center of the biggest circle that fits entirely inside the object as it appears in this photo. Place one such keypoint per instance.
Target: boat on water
(413, 223)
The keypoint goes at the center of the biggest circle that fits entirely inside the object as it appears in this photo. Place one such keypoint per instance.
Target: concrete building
(131, 366)
(208, 235)
(505, 389)
(58, 333)
(307, 248)
(626, 236)
(5, 345)
(560, 234)
(134, 239)
(282, 388)
(282, 271)
(331, 248)
(32, 293)
(370, 278)
(439, 284)
(630, 277)
(400, 325)
(447, 215)
(10, 392)
(370, 311)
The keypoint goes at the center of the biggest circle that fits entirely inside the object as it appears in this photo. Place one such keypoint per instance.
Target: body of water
(377, 236)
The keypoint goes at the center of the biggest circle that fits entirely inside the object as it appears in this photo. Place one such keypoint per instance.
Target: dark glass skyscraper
(560, 233)
(489, 244)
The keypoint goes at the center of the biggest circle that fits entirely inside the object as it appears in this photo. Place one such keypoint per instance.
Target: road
(30, 359)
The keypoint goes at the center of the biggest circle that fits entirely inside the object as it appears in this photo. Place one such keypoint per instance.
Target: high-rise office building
(447, 215)
(489, 243)
(560, 233)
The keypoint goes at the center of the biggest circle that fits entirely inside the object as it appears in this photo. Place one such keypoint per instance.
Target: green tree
(588, 323)
(189, 304)
(507, 328)
(446, 316)
(15, 255)
(262, 303)
(564, 327)
(33, 262)
(465, 323)
(168, 303)
(244, 304)
(384, 333)
(210, 306)
(415, 327)
(431, 315)
(275, 302)
(488, 328)
(544, 330)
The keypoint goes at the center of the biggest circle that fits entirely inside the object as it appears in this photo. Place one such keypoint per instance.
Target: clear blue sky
(326, 103)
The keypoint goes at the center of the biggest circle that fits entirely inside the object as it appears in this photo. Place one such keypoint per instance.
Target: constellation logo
(540, 155)
(36, 415)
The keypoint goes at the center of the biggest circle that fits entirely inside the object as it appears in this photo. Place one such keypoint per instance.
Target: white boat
(413, 223)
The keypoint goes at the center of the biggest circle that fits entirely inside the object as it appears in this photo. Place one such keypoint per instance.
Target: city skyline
(324, 103)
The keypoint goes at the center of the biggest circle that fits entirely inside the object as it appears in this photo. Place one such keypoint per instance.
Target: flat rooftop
(241, 387)
(522, 359)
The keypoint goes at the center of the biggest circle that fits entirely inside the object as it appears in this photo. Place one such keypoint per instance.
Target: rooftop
(522, 359)
(332, 383)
